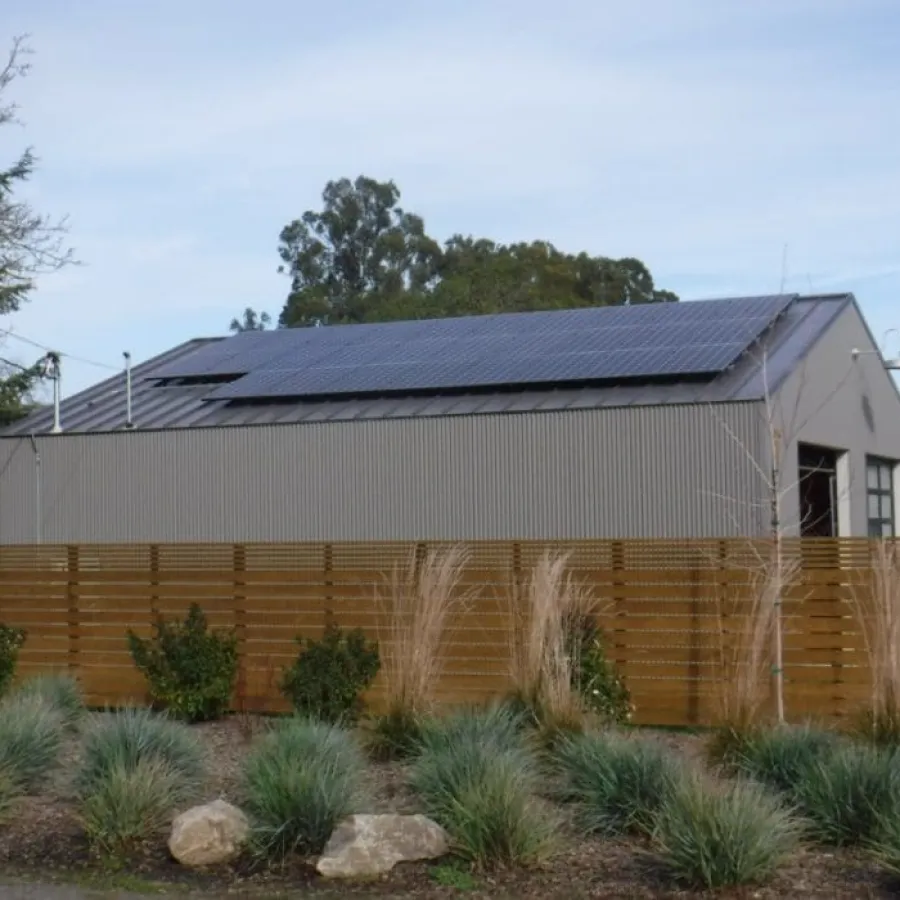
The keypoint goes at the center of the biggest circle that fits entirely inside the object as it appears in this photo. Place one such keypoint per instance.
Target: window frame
(883, 493)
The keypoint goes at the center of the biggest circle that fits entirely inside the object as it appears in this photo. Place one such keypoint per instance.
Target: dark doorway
(818, 495)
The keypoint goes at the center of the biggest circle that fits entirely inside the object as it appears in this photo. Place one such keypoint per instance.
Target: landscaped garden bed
(45, 840)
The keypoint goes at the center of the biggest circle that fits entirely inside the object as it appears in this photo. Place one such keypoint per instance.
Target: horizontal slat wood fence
(668, 608)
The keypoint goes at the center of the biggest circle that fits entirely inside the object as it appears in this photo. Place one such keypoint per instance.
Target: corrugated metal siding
(847, 404)
(670, 471)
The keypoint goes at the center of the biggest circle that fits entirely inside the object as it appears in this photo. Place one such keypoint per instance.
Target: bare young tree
(771, 570)
(31, 244)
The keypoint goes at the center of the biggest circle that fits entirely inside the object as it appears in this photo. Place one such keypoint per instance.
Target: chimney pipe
(55, 374)
(128, 422)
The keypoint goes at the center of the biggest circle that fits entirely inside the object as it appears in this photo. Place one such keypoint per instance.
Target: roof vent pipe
(128, 421)
(52, 370)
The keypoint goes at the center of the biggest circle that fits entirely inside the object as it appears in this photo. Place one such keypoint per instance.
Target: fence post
(239, 567)
(693, 705)
(328, 569)
(154, 582)
(620, 630)
(72, 616)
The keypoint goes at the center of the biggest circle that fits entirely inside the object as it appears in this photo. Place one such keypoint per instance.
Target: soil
(44, 842)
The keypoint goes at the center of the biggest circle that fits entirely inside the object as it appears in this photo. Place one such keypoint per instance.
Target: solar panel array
(565, 346)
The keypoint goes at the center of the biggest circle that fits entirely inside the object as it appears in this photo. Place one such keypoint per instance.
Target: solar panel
(580, 345)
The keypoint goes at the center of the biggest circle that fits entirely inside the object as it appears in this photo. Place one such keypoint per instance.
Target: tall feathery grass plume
(416, 609)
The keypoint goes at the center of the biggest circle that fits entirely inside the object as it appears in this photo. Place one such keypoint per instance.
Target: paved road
(60, 892)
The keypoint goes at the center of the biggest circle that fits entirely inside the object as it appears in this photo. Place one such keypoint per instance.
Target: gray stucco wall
(847, 404)
(676, 471)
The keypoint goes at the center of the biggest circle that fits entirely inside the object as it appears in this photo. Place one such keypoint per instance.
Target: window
(880, 497)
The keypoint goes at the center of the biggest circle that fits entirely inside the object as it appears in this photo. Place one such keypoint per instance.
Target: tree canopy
(30, 244)
(363, 258)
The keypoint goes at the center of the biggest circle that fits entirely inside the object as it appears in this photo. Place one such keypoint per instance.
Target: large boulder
(208, 835)
(365, 846)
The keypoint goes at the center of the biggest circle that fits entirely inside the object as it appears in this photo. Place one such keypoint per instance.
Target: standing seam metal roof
(156, 406)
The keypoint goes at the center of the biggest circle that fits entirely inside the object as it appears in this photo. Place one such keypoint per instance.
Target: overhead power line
(72, 356)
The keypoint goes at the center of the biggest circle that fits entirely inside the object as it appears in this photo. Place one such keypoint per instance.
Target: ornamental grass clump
(617, 784)
(710, 835)
(299, 781)
(777, 757)
(847, 793)
(60, 691)
(138, 767)
(478, 780)
(32, 733)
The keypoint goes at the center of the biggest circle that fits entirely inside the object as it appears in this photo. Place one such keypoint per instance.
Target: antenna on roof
(50, 368)
(784, 268)
(128, 422)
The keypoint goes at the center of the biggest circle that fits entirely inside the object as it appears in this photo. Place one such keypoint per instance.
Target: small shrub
(11, 641)
(130, 804)
(481, 789)
(190, 670)
(129, 737)
(298, 783)
(31, 738)
(59, 691)
(602, 688)
(329, 676)
(711, 836)
(848, 792)
(777, 757)
(618, 784)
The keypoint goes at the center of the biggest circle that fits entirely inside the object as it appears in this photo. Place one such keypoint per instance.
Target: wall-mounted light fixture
(889, 362)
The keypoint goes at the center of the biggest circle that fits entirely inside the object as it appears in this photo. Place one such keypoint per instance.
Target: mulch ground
(44, 840)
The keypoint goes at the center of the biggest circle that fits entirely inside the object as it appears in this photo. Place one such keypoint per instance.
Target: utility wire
(72, 356)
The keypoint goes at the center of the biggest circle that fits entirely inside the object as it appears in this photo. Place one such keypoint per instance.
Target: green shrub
(31, 738)
(126, 738)
(600, 685)
(478, 782)
(190, 669)
(130, 804)
(776, 757)
(59, 691)
(329, 676)
(617, 783)
(714, 836)
(297, 783)
(11, 641)
(848, 792)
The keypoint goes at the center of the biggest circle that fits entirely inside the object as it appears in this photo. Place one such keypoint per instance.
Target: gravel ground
(44, 842)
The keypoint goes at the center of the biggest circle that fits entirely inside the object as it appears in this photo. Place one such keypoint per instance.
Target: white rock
(364, 846)
(208, 835)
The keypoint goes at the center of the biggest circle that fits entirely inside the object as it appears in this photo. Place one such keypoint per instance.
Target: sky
(736, 148)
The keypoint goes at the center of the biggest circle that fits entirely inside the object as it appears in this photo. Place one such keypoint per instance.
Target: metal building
(647, 421)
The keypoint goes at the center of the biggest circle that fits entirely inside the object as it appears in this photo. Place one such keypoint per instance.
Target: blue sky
(701, 137)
